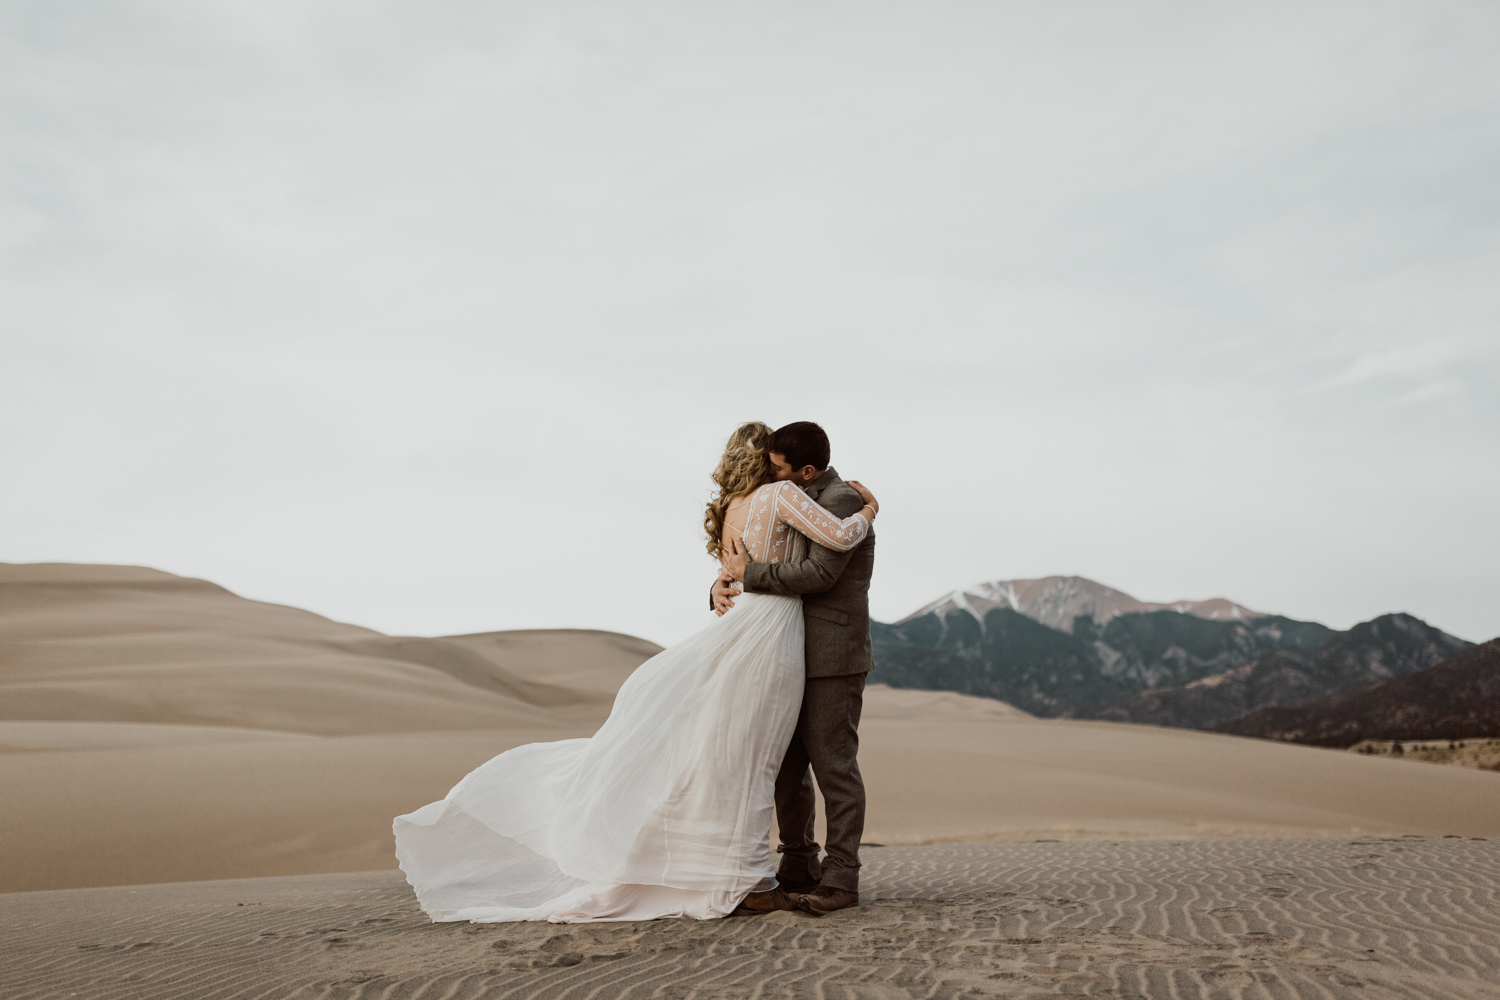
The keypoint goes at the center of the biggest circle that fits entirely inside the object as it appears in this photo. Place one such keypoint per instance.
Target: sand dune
(597, 662)
(128, 644)
(157, 729)
(1051, 779)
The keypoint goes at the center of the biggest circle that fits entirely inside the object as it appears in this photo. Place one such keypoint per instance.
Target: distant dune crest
(1056, 601)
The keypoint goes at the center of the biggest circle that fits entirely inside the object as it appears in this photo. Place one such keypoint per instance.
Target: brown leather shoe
(765, 902)
(825, 899)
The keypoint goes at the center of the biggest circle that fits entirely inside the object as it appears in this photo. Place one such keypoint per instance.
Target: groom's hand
(736, 558)
(723, 594)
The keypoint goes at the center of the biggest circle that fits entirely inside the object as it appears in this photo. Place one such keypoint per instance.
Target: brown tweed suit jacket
(834, 587)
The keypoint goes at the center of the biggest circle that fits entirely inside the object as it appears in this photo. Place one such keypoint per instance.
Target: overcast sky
(434, 317)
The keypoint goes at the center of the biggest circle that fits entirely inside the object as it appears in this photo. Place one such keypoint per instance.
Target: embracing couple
(666, 811)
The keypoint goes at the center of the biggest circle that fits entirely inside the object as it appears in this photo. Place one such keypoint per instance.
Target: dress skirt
(664, 812)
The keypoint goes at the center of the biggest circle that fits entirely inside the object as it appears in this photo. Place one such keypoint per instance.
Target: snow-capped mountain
(1056, 601)
(1065, 646)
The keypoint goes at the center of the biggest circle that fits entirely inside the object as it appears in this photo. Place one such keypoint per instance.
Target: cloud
(1411, 360)
(1050, 274)
(1433, 390)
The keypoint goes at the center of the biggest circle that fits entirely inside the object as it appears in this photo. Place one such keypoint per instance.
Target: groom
(835, 588)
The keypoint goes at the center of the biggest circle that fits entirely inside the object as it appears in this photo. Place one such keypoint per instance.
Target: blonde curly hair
(746, 465)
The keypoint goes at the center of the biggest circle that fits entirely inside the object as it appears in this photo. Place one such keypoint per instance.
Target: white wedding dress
(666, 811)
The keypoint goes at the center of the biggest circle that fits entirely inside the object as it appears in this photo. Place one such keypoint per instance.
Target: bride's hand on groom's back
(865, 493)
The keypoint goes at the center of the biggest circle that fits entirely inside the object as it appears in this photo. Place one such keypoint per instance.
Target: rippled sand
(1365, 917)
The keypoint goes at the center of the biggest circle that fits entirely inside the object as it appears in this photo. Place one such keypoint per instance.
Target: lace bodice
(782, 518)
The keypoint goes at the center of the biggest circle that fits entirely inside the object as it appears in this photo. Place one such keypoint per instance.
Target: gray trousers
(825, 744)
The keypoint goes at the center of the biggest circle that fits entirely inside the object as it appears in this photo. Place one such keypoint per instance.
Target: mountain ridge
(1383, 648)
(1193, 664)
(1058, 601)
(1456, 699)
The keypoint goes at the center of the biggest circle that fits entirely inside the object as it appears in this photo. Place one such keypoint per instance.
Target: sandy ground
(157, 729)
(1372, 918)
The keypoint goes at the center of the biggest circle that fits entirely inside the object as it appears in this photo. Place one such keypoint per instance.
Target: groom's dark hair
(802, 443)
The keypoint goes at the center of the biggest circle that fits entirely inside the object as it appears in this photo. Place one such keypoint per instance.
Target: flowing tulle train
(665, 811)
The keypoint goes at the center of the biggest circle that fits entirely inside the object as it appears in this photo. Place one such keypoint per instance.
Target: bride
(666, 810)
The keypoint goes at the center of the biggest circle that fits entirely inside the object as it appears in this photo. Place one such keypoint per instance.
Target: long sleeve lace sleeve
(797, 510)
